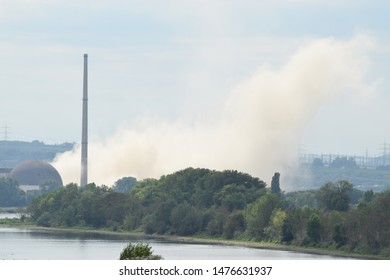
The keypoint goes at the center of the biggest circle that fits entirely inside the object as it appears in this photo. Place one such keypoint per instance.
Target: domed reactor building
(30, 174)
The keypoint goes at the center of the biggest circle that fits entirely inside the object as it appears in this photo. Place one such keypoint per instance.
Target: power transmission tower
(6, 131)
(385, 154)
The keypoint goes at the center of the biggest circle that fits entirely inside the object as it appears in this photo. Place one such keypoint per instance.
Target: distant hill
(14, 152)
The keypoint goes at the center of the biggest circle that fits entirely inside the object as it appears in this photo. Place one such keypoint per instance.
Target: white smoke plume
(257, 132)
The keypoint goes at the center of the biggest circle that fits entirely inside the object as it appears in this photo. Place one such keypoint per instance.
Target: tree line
(12, 195)
(225, 204)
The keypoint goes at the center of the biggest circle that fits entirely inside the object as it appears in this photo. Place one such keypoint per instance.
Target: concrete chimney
(84, 130)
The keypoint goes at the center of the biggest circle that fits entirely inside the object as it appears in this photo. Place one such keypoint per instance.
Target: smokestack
(84, 131)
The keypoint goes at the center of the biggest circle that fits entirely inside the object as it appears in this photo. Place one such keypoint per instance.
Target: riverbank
(199, 240)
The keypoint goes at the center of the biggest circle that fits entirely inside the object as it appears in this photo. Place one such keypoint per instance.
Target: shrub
(140, 251)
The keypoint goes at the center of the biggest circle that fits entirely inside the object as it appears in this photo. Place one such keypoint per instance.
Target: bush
(139, 251)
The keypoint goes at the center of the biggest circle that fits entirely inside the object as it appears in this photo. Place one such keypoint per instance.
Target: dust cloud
(258, 131)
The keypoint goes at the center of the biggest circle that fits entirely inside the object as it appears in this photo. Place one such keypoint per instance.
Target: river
(39, 244)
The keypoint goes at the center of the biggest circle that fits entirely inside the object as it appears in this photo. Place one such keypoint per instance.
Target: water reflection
(32, 244)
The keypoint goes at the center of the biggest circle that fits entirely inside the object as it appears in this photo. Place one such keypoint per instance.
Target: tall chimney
(84, 132)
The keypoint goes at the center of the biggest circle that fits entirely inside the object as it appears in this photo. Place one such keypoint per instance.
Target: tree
(374, 224)
(232, 197)
(314, 228)
(48, 186)
(368, 196)
(185, 219)
(295, 224)
(275, 184)
(235, 222)
(214, 220)
(124, 185)
(258, 214)
(159, 220)
(10, 193)
(275, 229)
(335, 196)
(139, 251)
(302, 199)
(286, 234)
(340, 235)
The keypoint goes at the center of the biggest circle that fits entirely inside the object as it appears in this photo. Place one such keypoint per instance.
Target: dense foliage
(11, 194)
(227, 204)
(138, 251)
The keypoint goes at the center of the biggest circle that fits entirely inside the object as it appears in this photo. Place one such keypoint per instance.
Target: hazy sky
(179, 61)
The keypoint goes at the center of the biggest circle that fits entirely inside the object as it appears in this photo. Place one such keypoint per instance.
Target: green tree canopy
(124, 185)
(202, 188)
(335, 196)
(314, 228)
(10, 193)
(140, 251)
(275, 184)
(258, 214)
(48, 186)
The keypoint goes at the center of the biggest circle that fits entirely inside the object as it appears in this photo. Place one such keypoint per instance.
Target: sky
(220, 83)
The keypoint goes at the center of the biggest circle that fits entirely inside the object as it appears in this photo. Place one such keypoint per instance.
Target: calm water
(31, 244)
